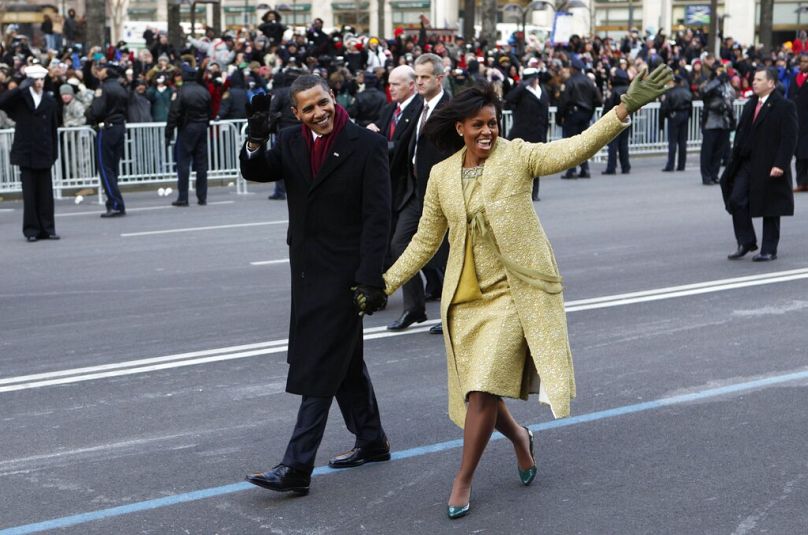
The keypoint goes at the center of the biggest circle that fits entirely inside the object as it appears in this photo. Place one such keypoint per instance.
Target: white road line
(270, 262)
(139, 209)
(61, 377)
(195, 229)
(7, 210)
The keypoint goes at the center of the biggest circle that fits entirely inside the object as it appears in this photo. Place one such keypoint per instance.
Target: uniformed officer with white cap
(34, 150)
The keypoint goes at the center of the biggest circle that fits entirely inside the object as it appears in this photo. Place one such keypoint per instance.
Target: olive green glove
(646, 87)
(368, 299)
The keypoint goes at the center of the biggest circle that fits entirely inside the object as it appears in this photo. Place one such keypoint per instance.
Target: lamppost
(523, 11)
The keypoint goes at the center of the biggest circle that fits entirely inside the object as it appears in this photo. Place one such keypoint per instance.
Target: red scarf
(318, 151)
(801, 77)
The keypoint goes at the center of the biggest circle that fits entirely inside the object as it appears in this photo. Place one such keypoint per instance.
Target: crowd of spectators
(238, 64)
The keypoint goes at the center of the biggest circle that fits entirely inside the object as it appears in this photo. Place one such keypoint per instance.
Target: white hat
(36, 72)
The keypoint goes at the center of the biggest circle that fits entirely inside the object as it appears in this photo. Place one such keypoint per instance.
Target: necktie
(394, 122)
(757, 110)
(423, 119)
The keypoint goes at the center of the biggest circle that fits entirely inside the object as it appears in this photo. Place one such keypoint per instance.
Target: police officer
(190, 112)
(578, 103)
(676, 109)
(108, 111)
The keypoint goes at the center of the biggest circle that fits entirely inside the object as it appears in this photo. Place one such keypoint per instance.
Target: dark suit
(578, 103)
(747, 188)
(398, 147)
(531, 118)
(338, 229)
(34, 150)
(800, 97)
(409, 211)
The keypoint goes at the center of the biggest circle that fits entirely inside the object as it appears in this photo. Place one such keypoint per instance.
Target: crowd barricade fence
(149, 160)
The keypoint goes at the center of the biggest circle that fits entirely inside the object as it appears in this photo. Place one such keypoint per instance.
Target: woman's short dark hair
(440, 128)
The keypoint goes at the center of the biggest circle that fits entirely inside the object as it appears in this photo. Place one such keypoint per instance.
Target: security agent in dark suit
(578, 103)
(190, 113)
(798, 92)
(34, 150)
(676, 110)
(757, 182)
(338, 193)
(397, 123)
(108, 111)
(529, 103)
(422, 155)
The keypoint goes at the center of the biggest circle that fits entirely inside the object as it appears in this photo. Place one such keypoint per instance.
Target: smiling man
(338, 193)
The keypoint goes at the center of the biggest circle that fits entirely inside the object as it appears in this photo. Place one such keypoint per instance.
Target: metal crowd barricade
(148, 160)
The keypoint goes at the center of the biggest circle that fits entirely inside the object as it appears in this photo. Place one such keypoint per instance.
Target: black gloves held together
(260, 123)
(368, 299)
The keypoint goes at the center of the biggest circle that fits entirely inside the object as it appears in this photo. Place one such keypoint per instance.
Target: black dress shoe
(31, 239)
(584, 174)
(277, 197)
(113, 213)
(436, 329)
(179, 203)
(667, 170)
(742, 250)
(607, 172)
(359, 456)
(51, 237)
(569, 175)
(626, 171)
(202, 203)
(407, 318)
(282, 478)
(764, 257)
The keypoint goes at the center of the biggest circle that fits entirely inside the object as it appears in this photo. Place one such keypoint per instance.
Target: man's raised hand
(259, 121)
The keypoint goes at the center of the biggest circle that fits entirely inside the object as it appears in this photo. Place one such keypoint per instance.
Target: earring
(460, 134)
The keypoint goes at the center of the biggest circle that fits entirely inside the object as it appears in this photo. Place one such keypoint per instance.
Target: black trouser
(37, 195)
(110, 151)
(413, 290)
(535, 193)
(802, 171)
(677, 139)
(619, 145)
(742, 219)
(192, 148)
(712, 149)
(575, 123)
(357, 402)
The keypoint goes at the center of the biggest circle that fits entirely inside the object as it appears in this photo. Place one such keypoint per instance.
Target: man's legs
(308, 433)
(681, 139)
(802, 174)
(413, 290)
(709, 142)
(110, 151)
(741, 218)
(771, 235)
(672, 141)
(622, 148)
(201, 162)
(184, 151)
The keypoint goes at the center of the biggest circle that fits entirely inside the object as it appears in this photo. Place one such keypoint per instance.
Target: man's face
(426, 82)
(804, 63)
(401, 86)
(39, 84)
(314, 107)
(761, 85)
(66, 98)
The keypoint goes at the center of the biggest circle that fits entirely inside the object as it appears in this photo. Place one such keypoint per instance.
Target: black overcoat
(531, 114)
(800, 97)
(339, 224)
(398, 147)
(36, 144)
(768, 142)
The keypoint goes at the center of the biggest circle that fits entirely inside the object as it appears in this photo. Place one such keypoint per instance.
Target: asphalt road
(142, 367)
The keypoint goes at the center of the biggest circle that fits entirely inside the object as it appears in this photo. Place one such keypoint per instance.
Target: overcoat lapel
(300, 155)
(340, 152)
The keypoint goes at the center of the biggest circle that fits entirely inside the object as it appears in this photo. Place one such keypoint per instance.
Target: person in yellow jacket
(505, 329)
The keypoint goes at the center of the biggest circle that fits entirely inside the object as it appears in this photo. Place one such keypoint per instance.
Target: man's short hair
(771, 73)
(304, 83)
(434, 59)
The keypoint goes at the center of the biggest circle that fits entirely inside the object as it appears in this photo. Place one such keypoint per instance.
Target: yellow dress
(490, 346)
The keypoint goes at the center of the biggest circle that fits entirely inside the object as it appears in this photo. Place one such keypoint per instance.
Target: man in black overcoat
(529, 103)
(34, 150)
(338, 193)
(757, 182)
(422, 155)
(798, 92)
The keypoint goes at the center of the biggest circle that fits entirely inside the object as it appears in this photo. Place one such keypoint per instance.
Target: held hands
(368, 299)
(646, 87)
(259, 121)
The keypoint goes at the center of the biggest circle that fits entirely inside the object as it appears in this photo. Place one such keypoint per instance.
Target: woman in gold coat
(502, 307)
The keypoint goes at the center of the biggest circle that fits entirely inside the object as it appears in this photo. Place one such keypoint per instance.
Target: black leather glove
(260, 122)
(369, 299)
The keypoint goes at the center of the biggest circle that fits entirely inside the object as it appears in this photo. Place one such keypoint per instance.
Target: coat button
(302, 274)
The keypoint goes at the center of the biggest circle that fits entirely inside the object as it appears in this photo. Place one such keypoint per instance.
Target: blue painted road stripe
(82, 518)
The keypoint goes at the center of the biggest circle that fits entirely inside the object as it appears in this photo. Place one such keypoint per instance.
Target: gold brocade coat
(506, 189)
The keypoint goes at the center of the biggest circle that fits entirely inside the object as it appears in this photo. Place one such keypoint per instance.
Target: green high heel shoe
(527, 476)
(458, 511)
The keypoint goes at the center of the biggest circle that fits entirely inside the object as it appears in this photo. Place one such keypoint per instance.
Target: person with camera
(717, 121)
(190, 113)
(34, 150)
(338, 194)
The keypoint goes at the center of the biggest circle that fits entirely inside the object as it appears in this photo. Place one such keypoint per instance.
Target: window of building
(352, 14)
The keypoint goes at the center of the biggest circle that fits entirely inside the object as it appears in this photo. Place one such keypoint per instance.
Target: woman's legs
(483, 414)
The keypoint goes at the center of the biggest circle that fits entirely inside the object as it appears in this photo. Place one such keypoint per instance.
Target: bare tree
(489, 16)
(118, 10)
(175, 35)
(469, 12)
(766, 16)
(381, 17)
(96, 22)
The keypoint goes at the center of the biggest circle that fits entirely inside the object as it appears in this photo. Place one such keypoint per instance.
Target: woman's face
(480, 132)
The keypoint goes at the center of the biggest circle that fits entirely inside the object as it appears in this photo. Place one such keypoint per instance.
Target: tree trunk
(469, 12)
(175, 35)
(712, 44)
(381, 18)
(766, 16)
(96, 22)
(489, 28)
(217, 19)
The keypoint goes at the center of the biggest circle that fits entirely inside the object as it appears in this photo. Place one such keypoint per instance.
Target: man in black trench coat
(757, 181)
(338, 193)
